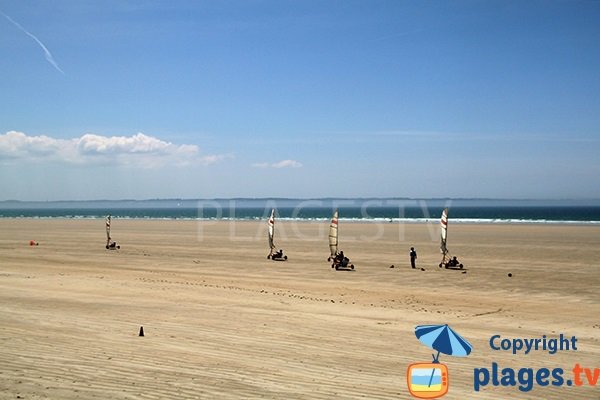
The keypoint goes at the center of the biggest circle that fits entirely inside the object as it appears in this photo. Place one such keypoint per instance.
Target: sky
(202, 99)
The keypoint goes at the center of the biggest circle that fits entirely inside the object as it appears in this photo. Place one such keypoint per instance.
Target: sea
(360, 210)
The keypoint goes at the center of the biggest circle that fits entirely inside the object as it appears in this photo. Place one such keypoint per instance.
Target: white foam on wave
(323, 219)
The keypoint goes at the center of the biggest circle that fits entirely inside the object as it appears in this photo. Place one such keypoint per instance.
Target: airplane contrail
(49, 57)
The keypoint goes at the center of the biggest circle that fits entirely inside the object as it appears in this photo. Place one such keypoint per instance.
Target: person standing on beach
(413, 257)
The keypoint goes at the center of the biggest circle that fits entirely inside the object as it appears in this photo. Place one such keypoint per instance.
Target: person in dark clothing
(413, 257)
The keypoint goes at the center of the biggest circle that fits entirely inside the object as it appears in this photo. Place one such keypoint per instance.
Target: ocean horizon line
(315, 209)
(430, 220)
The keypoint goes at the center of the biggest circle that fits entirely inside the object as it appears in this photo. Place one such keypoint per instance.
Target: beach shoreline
(400, 221)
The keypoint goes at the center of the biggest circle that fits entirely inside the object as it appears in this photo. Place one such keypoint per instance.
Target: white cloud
(139, 150)
(279, 164)
(214, 158)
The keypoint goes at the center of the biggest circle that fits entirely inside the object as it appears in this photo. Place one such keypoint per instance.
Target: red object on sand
(33, 243)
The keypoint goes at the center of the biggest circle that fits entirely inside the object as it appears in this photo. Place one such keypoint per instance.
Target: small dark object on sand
(464, 272)
(392, 266)
(509, 275)
(422, 269)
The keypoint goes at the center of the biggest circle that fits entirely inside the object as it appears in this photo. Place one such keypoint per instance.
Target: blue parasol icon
(443, 339)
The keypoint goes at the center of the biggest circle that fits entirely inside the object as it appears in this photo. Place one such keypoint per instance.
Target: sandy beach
(223, 322)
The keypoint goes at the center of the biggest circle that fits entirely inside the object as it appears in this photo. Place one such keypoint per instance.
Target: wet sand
(222, 321)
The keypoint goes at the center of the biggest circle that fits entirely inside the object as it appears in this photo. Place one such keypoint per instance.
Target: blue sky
(200, 99)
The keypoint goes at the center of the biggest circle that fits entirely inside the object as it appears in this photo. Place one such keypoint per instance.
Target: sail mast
(107, 230)
(271, 224)
(333, 234)
(444, 231)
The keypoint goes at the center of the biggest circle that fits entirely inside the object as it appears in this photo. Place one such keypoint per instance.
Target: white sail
(271, 224)
(108, 230)
(444, 231)
(333, 234)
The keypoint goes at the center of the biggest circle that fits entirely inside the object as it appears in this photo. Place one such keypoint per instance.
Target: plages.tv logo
(430, 380)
